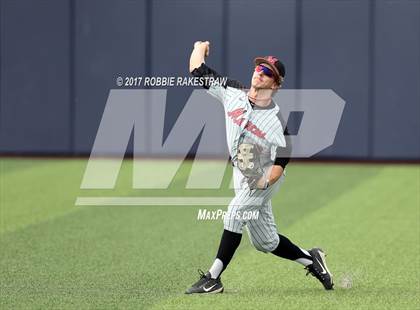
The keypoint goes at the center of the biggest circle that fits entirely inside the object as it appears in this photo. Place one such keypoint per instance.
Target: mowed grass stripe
(43, 189)
(38, 191)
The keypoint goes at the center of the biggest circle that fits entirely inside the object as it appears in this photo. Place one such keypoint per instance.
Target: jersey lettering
(235, 115)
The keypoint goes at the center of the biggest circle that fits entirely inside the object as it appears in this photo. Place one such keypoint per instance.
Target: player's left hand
(257, 183)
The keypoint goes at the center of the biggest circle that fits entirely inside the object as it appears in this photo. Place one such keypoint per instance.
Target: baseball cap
(274, 64)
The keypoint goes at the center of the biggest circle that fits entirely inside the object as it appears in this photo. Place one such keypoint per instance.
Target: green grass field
(58, 255)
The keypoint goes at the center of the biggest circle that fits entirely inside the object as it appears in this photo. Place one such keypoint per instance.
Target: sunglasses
(265, 70)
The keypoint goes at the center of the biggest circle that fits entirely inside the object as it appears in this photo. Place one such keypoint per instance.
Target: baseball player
(257, 146)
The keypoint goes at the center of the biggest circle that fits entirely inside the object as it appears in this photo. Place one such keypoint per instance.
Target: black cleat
(206, 285)
(319, 268)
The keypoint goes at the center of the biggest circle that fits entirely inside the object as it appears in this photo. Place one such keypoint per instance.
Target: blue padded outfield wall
(60, 58)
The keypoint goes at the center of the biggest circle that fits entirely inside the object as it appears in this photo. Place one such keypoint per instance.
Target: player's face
(263, 77)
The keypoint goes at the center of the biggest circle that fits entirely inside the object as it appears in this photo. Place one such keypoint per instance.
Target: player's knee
(259, 247)
(267, 245)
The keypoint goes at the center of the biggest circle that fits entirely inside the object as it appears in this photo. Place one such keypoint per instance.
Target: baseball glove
(250, 161)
